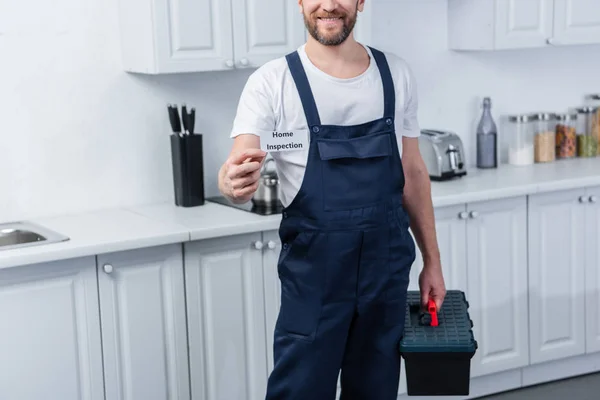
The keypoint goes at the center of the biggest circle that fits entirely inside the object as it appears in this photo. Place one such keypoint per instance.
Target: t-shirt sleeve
(411, 105)
(254, 111)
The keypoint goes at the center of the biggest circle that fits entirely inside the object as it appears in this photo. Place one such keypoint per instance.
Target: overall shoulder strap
(306, 95)
(389, 93)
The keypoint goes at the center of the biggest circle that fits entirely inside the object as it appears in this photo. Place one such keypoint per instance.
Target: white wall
(77, 133)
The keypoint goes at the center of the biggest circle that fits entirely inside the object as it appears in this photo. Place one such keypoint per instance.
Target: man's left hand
(431, 283)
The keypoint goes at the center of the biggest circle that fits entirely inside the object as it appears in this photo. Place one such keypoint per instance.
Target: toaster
(443, 153)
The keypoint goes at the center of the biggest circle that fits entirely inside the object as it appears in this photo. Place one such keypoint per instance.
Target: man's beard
(331, 39)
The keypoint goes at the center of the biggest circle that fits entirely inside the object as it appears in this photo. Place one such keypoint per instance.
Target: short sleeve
(254, 111)
(411, 105)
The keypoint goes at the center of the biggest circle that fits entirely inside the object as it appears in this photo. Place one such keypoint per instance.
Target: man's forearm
(418, 204)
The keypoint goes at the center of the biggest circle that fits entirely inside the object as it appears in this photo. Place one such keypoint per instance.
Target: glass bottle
(566, 136)
(487, 138)
(520, 148)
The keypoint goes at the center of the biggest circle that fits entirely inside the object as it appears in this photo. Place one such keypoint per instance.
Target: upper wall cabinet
(514, 24)
(576, 22)
(171, 36)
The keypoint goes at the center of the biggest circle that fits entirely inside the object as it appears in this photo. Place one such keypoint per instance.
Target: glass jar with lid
(587, 141)
(595, 103)
(520, 146)
(544, 139)
(566, 135)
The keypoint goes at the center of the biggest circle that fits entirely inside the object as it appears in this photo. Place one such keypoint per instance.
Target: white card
(289, 140)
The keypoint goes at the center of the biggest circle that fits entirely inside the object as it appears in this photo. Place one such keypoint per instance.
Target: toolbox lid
(448, 330)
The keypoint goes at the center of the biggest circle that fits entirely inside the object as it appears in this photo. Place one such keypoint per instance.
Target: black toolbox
(437, 346)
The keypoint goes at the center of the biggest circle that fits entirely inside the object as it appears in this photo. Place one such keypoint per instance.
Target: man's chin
(330, 38)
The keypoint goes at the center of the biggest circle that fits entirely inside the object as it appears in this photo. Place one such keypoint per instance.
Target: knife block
(188, 169)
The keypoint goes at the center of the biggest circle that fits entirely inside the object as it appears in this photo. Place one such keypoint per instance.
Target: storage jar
(520, 147)
(566, 135)
(587, 141)
(544, 140)
(595, 98)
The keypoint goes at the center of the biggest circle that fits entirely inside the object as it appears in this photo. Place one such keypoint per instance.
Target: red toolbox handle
(433, 312)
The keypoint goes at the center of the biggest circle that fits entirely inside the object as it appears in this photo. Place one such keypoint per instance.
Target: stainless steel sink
(19, 234)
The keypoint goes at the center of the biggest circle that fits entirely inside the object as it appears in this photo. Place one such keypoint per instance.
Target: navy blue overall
(345, 260)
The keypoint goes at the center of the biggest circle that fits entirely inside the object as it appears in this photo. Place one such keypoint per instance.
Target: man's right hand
(241, 173)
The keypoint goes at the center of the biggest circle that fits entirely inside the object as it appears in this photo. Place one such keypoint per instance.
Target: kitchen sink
(20, 234)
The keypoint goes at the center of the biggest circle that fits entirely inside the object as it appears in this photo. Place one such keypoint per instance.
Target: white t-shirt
(270, 102)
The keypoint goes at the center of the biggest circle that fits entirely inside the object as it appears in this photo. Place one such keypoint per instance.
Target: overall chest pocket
(356, 172)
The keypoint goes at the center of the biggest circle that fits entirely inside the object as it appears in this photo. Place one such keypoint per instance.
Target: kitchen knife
(173, 119)
(177, 118)
(192, 120)
(184, 117)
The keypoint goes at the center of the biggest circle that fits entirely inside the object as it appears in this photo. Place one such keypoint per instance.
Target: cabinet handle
(258, 245)
(463, 215)
(474, 214)
(229, 64)
(108, 268)
(583, 199)
(593, 199)
(271, 244)
(244, 61)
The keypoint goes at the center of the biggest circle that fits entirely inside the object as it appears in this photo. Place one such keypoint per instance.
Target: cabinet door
(272, 247)
(144, 323)
(226, 314)
(556, 275)
(576, 22)
(497, 284)
(50, 337)
(452, 241)
(264, 30)
(192, 35)
(523, 23)
(592, 270)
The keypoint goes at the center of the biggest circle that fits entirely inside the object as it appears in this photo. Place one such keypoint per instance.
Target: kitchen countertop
(509, 181)
(95, 233)
(121, 229)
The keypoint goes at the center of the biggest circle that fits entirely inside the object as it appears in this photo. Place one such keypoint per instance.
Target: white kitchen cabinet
(451, 237)
(272, 285)
(518, 24)
(592, 269)
(497, 284)
(557, 275)
(50, 342)
(226, 316)
(483, 249)
(264, 30)
(174, 36)
(576, 22)
(144, 332)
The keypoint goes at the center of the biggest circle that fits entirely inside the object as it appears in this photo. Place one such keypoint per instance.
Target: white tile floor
(581, 388)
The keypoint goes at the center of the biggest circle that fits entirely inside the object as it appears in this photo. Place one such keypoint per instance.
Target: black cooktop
(249, 206)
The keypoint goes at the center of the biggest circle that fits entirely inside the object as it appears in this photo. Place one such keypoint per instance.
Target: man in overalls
(336, 116)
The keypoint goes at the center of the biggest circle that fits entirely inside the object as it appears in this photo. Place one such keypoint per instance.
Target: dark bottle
(487, 138)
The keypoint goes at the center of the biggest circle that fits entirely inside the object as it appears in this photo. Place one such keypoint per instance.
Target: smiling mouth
(329, 20)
